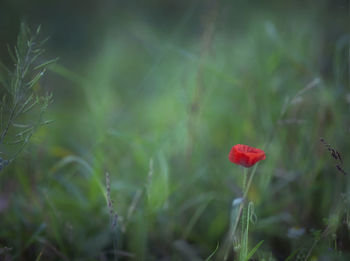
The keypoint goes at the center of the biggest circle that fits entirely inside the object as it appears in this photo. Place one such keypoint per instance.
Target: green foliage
(158, 104)
(21, 107)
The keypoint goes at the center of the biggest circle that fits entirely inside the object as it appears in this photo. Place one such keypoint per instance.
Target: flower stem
(244, 216)
(244, 179)
(246, 187)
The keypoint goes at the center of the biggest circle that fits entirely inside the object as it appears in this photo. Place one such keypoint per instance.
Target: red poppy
(245, 156)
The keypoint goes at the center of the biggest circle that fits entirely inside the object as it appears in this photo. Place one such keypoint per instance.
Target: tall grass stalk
(21, 106)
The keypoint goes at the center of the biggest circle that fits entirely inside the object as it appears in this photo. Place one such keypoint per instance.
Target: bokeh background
(156, 93)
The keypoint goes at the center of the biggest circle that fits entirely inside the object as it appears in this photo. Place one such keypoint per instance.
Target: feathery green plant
(22, 107)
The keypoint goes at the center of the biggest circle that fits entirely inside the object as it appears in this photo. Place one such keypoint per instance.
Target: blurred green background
(156, 93)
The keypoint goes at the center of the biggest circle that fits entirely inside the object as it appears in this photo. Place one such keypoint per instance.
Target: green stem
(249, 183)
(246, 188)
(244, 217)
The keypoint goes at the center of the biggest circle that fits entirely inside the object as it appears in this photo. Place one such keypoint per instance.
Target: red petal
(245, 155)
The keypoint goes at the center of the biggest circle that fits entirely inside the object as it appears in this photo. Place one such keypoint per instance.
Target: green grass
(159, 110)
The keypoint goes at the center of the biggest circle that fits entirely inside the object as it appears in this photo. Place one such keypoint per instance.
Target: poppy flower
(245, 155)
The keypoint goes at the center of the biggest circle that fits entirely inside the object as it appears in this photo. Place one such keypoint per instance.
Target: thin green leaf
(25, 131)
(11, 54)
(244, 246)
(20, 125)
(47, 122)
(16, 142)
(292, 254)
(195, 218)
(39, 256)
(40, 229)
(213, 253)
(42, 42)
(25, 70)
(36, 79)
(37, 54)
(38, 29)
(31, 106)
(72, 159)
(18, 57)
(68, 74)
(28, 101)
(252, 252)
(46, 63)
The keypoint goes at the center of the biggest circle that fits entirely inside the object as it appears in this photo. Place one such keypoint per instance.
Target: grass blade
(252, 252)
(213, 253)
